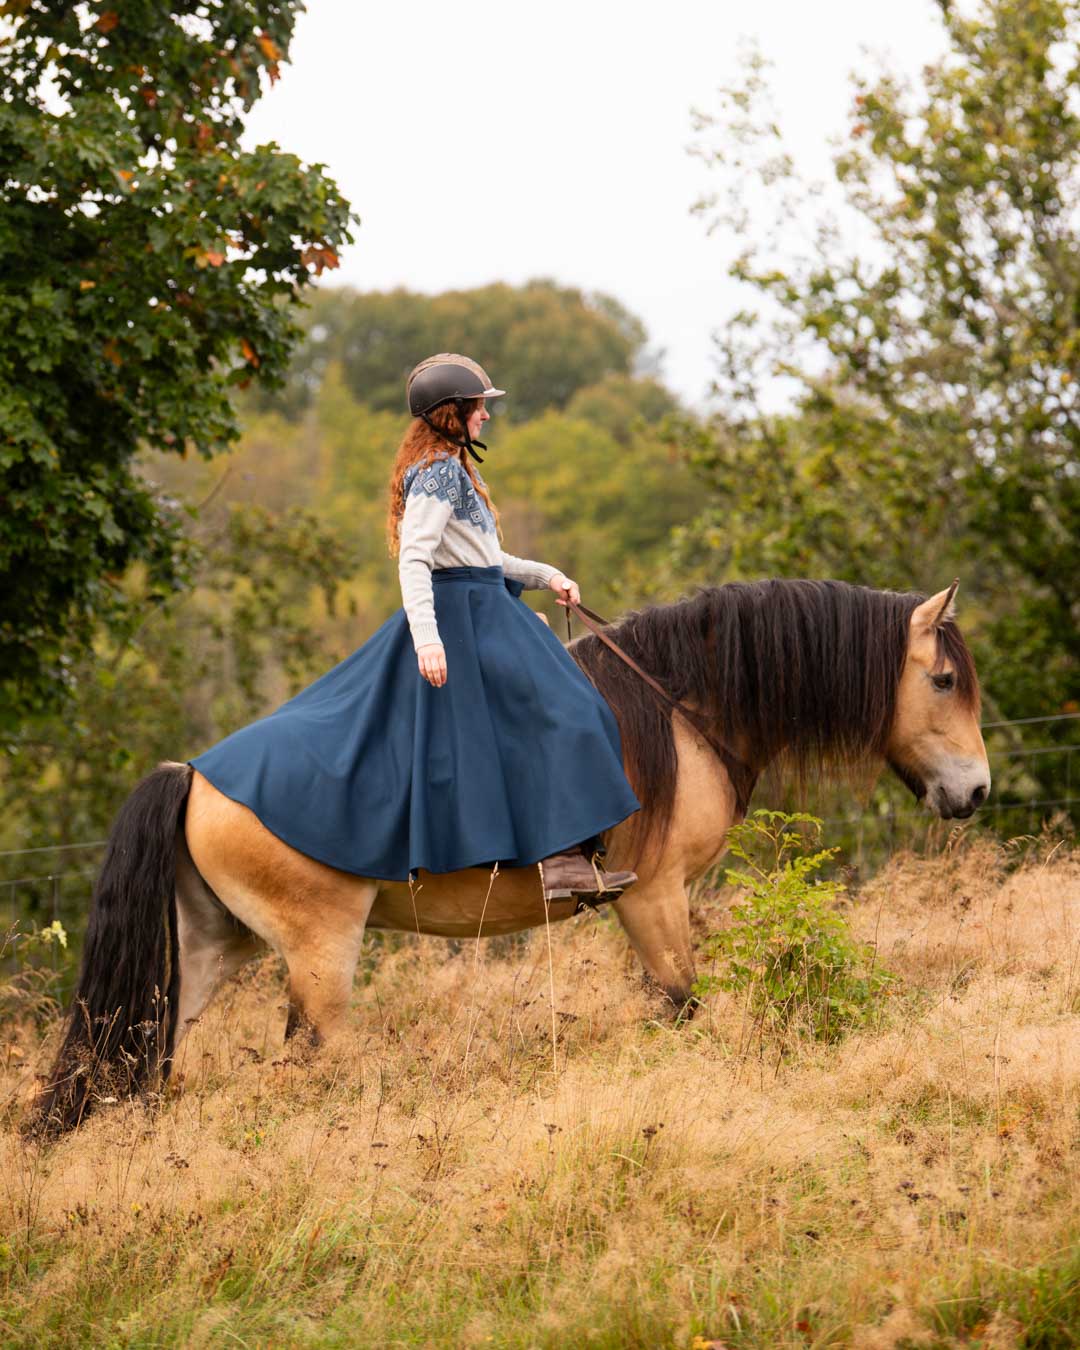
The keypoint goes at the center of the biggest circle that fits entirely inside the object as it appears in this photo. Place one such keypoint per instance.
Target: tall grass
(436, 1181)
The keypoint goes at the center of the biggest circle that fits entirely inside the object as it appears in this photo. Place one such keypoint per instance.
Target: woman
(461, 733)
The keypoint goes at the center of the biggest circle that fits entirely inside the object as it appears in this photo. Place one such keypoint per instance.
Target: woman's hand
(431, 658)
(565, 589)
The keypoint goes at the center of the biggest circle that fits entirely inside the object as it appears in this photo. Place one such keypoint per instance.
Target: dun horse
(814, 676)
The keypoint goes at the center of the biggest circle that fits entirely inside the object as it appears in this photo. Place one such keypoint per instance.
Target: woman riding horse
(488, 745)
(814, 676)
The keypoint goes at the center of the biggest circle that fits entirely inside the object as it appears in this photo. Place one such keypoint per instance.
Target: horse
(819, 677)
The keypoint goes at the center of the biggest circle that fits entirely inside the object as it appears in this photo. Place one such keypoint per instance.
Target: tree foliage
(936, 424)
(542, 342)
(175, 677)
(147, 268)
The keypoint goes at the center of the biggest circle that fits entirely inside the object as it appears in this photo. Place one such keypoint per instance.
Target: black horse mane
(801, 672)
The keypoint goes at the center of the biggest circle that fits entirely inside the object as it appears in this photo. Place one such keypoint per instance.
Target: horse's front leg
(655, 915)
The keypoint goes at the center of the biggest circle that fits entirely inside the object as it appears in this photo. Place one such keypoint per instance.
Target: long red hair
(420, 445)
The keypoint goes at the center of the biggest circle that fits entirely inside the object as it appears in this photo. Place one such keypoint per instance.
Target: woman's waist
(493, 575)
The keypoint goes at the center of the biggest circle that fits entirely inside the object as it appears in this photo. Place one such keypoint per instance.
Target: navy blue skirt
(374, 771)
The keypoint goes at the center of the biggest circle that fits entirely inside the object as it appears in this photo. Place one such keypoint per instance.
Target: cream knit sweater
(448, 524)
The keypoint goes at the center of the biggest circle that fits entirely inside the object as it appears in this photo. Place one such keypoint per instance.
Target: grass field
(472, 1170)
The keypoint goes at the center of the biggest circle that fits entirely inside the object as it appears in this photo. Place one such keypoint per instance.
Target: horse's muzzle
(949, 807)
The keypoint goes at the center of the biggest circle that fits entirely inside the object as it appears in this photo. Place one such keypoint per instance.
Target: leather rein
(742, 776)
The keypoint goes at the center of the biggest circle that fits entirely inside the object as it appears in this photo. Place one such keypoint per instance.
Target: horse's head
(935, 745)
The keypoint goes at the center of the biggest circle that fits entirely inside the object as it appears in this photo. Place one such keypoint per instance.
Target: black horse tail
(121, 1028)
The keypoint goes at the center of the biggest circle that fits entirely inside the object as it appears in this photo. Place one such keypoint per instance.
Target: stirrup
(585, 902)
(600, 888)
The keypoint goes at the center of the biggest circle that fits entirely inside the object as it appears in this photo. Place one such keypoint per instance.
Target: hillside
(439, 1183)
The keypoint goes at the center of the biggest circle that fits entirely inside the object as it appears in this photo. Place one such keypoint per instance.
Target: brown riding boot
(564, 875)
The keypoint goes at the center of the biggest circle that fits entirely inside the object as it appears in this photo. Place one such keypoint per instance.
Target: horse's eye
(943, 681)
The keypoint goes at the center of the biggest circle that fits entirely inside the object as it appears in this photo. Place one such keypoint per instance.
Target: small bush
(786, 948)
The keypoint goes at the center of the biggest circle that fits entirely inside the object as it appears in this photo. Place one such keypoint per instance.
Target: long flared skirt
(374, 771)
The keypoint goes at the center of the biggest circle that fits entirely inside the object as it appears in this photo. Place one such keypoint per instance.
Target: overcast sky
(492, 141)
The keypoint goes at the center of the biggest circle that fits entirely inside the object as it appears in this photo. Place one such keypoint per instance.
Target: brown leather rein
(742, 776)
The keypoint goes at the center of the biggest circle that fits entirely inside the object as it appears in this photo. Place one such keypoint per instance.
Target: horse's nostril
(978, 796)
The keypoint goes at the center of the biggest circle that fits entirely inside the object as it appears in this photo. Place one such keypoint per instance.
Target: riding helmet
(449, 378)
(445, 378)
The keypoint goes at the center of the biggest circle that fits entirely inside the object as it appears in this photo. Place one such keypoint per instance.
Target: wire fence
(53, 882)
(35, 900)
(869, 832)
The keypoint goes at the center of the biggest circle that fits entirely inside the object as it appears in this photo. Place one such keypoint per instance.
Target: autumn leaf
(110, 353)
(108, 21)
(87, 285)
(320, 257)
(214, 258)
(250, 354)
(149, 97)
(269, 47)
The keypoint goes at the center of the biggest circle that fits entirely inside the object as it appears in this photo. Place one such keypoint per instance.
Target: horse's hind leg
(321, 953)
(312, 915)
(213, 944)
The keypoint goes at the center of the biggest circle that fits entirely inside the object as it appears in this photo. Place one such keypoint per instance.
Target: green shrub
(786, 947)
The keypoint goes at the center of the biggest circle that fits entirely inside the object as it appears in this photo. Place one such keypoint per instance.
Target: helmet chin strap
(467, 442)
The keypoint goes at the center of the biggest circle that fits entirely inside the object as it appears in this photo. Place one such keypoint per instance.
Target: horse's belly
(466, 904)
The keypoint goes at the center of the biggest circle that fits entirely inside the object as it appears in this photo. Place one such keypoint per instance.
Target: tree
(624, 406)
(148, 267)
(541, 342)
(936, 427)
(177, 676)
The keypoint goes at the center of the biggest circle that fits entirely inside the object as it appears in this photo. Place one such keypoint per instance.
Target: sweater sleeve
(534, 576)
(422, 528)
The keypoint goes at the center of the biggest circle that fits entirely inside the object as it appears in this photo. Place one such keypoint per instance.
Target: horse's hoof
(678, 1004)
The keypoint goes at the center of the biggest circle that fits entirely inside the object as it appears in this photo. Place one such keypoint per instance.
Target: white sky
(492, 141)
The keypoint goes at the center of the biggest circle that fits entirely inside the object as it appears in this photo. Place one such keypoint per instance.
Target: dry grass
(437, 1182)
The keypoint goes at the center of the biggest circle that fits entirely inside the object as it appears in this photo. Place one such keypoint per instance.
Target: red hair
(420, 445)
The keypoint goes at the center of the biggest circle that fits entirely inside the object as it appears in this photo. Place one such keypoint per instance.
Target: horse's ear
(939, 609)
